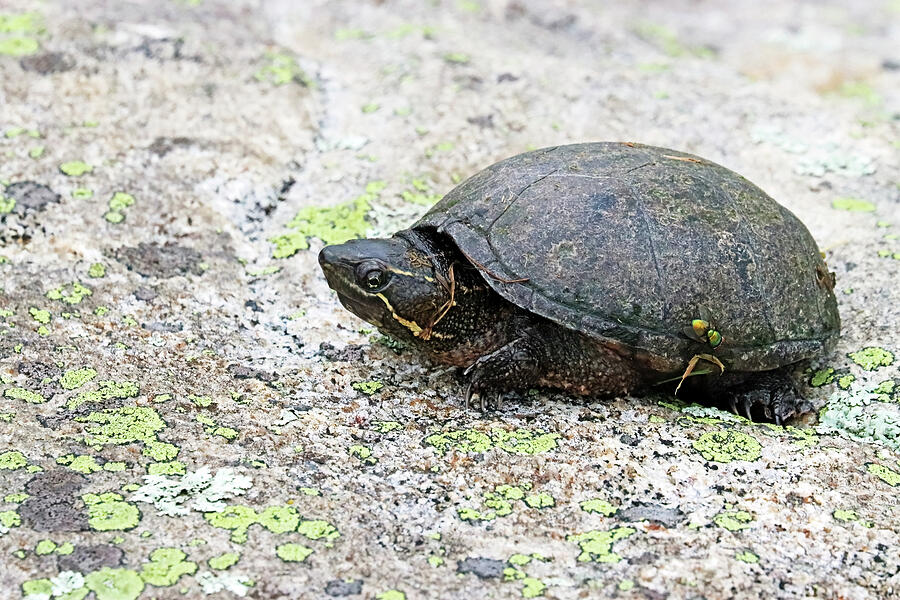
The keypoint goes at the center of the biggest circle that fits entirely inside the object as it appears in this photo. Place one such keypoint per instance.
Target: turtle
(603, 269)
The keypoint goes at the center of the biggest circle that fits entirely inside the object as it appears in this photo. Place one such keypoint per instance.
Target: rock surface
(186, 410)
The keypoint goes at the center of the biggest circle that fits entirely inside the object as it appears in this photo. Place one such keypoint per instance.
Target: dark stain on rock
(163, 145)
(85, 559)
(53, 504)
(159, 260)
(244, 372)
(43, 378)
(162, 327)
(655, 513)
(37, 371)
(482, 121)
(483, 568)
(145, 294)
(30, 197)
(48, 63)
(349, 353)
(339, 587)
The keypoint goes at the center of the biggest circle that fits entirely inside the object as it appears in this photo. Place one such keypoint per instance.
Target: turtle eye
(371, 277)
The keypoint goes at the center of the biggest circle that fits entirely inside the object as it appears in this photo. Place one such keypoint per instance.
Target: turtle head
(398, 284)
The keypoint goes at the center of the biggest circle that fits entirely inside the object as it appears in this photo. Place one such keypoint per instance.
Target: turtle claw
(773, 395)
(747, 404)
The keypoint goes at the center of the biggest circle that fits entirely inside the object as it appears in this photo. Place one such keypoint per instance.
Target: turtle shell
(629, 243)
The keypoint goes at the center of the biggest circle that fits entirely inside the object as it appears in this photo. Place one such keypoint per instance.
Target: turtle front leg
(773, 392)
(513, 366)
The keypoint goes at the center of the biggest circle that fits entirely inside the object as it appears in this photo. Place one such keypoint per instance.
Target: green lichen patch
(532, 587)
(458, 58)
(166, 567)
(9, 519)
(747, 556)
(28, 22)
(363, 453)
(72, 293)
(850, 516)
(845, 381)
(519, 441)
(84, 463)
(293, 552)
(390, 595)
(7, 205)
(733, 520)
(853, 205)
(107, 390)
(540, 500)
(109, 512)
(236, 519)
(500, 502)
(223, 561)
(114, 584)
(386, 426)
(599, 506)
(280, 69)
(822, 377)
(887, 391)
(82, 194)
(872, 358)
(75, 168)
(44, 547)
(596, 545)
(12, 460)
(117, 205)
(17, 497)
(277, 519)
(318, 529)
(173, 467)
(726, 445)
(368, 387)
(18, 393)
(886, 474)
(127, 425)
(39, 315)
(201, 401)
(802, 438)
(332, 225)
(75, 378)
(18, 46)
(420, 192)
(97, 270)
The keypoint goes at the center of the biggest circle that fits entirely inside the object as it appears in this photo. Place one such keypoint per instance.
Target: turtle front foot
(514, 365)
(773, 394)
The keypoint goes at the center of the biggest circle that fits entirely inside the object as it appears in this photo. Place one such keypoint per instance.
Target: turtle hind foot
(771, 394)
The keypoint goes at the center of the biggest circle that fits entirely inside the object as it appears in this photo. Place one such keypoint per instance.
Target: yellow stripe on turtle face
(409, 274)
(411, 325)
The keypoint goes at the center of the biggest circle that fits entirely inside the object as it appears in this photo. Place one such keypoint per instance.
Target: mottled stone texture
(183, 414)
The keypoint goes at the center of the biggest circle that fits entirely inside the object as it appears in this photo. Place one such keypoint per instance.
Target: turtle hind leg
(772, 395)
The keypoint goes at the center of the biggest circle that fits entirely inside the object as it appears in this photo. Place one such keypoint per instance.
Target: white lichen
(211, 584)
(859, 415)
(199, 490)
